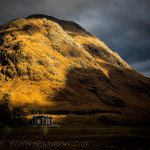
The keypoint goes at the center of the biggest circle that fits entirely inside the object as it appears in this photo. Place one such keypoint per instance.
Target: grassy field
(75, 136)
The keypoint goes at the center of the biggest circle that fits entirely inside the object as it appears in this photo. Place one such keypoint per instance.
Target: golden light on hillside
(50, 64)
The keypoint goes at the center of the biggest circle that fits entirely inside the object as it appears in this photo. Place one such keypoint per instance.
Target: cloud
(142, 67)
(124, 25)
(62, 9)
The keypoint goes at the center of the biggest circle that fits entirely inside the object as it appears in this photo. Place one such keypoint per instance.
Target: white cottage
(42, 120)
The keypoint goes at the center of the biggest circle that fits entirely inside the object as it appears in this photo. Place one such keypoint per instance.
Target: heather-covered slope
(52, 64)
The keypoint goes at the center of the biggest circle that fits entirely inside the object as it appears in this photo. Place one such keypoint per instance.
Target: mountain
(50, 64)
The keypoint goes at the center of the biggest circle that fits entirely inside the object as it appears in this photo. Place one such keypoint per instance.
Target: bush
(45, 130)
(7, 129)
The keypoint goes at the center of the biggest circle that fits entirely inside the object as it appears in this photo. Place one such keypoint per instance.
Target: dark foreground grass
(75, 137)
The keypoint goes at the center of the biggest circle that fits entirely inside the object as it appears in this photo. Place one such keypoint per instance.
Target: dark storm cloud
(62, 9)
(143, 67)
(124, 25)
(11, 9)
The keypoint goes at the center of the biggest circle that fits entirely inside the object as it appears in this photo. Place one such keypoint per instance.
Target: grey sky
(124, 25)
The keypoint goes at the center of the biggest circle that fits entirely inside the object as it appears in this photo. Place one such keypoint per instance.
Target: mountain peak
(38, 16)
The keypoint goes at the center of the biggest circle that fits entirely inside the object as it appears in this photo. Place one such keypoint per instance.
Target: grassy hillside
(50, 64)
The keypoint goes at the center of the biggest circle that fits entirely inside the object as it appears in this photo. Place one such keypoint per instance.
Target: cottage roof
(40, 117)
